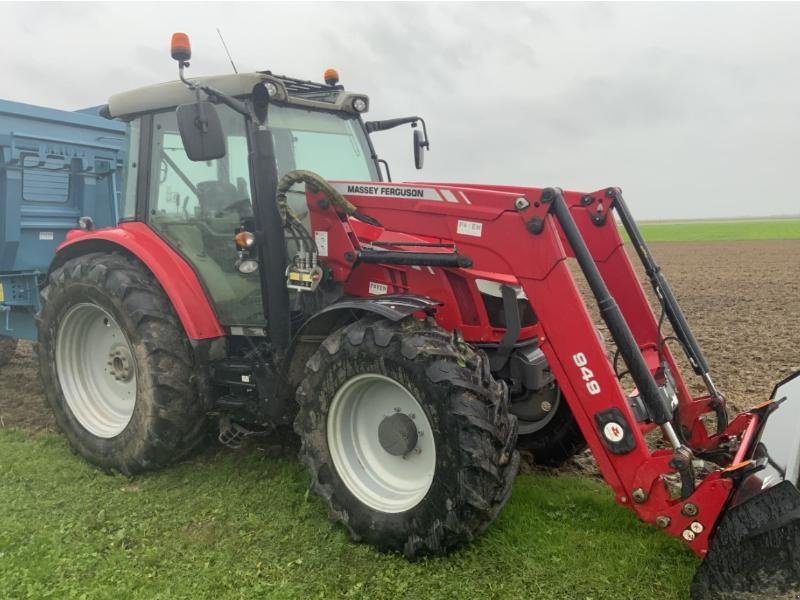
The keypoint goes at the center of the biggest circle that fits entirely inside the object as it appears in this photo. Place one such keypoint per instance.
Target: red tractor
(414, 334)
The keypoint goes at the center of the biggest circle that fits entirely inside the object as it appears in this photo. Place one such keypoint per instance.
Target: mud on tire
(168, 419)
(475, 435)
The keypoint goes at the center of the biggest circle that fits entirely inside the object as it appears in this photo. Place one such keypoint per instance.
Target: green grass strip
(243, 525)
(732, 230)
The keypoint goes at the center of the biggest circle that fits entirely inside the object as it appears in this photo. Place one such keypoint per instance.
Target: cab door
(197, 206)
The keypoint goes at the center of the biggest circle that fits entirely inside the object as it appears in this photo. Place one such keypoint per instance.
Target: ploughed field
(741, 298)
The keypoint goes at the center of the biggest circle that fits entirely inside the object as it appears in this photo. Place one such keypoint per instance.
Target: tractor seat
(221, 198)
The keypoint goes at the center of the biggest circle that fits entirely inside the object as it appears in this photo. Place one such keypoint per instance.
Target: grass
(243, 525)
(727, 230)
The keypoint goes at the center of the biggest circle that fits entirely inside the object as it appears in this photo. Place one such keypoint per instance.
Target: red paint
(171, 271)
(506, 252)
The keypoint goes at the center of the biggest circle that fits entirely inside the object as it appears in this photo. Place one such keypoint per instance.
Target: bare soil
(741, 298)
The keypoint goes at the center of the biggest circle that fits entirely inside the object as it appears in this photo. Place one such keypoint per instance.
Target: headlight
(360, 105)
(248, 266)
(272, 89)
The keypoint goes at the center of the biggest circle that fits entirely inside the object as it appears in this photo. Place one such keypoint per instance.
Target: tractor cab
(197, 205)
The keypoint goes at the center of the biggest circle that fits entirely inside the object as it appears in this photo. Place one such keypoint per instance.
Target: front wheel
(407, 436)
(116, 365)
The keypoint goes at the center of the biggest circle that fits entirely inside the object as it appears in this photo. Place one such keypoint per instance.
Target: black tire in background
(168, 419)
(474, 434)
(8, 347)
(558, 441)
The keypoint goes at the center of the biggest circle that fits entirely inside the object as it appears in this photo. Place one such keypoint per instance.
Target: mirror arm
(390, 123)
(233, 103)
(386, 166)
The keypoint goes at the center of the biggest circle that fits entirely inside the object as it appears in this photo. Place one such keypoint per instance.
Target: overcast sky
(693, 109)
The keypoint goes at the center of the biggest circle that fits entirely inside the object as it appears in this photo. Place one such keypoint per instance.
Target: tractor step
(231, 434)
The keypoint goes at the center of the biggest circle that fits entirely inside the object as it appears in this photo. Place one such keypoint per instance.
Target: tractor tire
(116, 365)
(8, 348)
(557, 441)
(426, 461)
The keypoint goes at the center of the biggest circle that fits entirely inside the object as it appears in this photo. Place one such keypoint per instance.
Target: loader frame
(529, 233)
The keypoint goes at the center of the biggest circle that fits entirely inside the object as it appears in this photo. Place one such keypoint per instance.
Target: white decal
(464, 196)
(383, 190)
(613, 432)
(472, 228)
(449, 196)
(586, 373)
(321, 240)
(45, 235)
(378, 289)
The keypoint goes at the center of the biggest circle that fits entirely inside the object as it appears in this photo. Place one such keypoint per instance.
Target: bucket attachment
(755, 548)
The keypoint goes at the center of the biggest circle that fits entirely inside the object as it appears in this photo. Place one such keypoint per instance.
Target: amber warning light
(181, 49)
(331, 76)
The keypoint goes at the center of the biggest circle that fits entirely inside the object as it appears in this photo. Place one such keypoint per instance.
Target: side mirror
(420, 143)
(201, 131)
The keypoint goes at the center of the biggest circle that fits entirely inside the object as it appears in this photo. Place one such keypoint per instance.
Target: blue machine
(55, 166)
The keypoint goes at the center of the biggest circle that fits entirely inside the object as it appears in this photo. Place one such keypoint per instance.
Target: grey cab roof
(172, 93)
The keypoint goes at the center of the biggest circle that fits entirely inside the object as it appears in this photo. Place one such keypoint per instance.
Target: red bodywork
(173, 273)
(485, 223)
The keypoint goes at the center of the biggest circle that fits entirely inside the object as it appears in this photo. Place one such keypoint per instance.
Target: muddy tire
(8, 347)
(116, 366)
(464, 455)
(557, 441)
(755, 550)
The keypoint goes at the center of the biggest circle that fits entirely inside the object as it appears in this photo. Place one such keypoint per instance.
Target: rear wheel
(116, 365)
(8, 347)
(407, 436)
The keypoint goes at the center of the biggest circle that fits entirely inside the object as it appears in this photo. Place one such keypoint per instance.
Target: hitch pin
(669, 431)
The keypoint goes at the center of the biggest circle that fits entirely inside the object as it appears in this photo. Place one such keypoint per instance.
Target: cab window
(197, 206)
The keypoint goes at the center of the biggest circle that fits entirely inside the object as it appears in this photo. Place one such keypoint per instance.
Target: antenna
(224, 45)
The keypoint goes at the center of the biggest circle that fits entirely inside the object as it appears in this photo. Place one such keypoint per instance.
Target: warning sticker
(321, 240)
(378, 289)
(46, 235)
(613, 432)
(472, 228)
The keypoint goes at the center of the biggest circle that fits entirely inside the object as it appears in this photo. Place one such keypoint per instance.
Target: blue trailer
(55, 167)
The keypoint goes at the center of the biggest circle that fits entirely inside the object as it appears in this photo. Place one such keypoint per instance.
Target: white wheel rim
(383, 481)
(96, 369)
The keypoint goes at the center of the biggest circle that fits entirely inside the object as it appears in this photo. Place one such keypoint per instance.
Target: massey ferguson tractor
(266, 272)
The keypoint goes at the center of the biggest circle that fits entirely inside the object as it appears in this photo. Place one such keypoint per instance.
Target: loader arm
(528, 234)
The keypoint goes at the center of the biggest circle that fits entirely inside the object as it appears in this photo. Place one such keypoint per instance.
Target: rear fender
(173, 273)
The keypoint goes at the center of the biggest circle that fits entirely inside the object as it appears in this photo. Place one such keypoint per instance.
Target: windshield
(330, 144)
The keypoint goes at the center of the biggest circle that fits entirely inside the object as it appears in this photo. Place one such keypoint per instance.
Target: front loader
(265, 274)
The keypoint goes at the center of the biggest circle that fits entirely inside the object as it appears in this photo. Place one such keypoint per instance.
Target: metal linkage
(665, 296)
(657, 404)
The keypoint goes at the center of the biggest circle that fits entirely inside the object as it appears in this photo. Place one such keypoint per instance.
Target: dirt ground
(741, 298)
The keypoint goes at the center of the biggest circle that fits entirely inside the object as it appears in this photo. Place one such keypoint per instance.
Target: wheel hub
(397, 434)
(96, 369)
(119, 363)
(381, 442)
